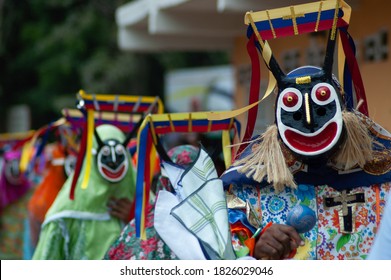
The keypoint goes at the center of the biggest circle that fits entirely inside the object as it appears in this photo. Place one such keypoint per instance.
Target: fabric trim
(77, 215)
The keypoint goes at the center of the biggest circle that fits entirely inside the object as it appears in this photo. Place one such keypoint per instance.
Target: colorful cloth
(128, 246)
(182, 155)
(46, 192)
(13, 184)
(82, 228)
(325, 240)
(381, 247)
(12, 229)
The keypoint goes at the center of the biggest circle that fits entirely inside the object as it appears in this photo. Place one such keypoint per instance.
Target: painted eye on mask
(105, 151)
(119, 149)
(291, 99)
(323, 94)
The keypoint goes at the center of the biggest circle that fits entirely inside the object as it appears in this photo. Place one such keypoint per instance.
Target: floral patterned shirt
(130, 247)
(328, 239)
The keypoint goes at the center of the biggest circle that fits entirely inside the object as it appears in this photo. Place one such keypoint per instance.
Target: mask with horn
(112, 158)
(309, 109)
(313, 124)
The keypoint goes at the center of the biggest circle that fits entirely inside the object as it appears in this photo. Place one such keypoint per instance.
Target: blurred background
(190, 53)
(51, 49)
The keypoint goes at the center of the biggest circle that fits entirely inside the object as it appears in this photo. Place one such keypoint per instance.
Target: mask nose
(308, 120)
(113, 157)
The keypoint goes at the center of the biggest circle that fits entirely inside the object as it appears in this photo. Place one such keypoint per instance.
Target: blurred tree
(49, 49)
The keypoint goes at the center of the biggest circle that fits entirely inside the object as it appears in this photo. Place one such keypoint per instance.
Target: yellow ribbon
(27, 153)
(217, 116)
(28, 147)
(341, 63)
(90, 132)
(226, 142)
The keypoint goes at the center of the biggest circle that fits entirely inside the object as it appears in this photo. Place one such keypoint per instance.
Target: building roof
(186, 25)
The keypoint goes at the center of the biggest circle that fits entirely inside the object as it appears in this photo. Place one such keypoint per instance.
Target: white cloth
(194, 221)
(178, 238)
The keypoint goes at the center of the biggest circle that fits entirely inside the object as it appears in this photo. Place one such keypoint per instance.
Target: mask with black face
(112, 159)
(309, 113)
(309, 109)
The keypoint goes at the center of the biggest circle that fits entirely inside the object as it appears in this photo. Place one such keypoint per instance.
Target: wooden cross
(346, 204)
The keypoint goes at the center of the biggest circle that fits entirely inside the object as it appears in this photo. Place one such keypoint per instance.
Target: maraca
(302, 218)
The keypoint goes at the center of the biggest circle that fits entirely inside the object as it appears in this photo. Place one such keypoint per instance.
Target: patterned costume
(15, 191)
(381, 248)
(82, 228)
(320, 154)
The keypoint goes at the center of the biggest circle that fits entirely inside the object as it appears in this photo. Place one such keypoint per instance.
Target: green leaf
(342, 241)
(332, 233)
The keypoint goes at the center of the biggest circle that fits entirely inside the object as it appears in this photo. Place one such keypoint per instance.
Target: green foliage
(49, 49)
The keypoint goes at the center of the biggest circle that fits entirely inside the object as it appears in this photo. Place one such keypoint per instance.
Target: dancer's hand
(277, 242)
(120, 208)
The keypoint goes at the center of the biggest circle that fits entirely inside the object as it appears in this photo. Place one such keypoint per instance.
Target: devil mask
(309, 113)
(309, 109)
(112, 159)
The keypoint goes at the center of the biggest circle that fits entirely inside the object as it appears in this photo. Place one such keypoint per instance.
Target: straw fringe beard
(357, 149)
(267, 158)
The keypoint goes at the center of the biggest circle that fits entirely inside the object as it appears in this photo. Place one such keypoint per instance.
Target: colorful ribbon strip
(155, 125)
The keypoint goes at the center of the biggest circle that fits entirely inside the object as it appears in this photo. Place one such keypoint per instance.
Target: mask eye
(105, 151)
(290, 99)
(119, 149)
(323, 94)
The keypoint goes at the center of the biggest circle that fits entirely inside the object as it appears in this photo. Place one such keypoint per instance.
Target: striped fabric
(204, 214)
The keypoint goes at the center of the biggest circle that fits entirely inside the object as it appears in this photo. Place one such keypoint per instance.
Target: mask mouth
(113, 175)
(312, 145)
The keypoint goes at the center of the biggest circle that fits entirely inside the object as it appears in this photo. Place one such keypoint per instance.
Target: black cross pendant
(346, 204)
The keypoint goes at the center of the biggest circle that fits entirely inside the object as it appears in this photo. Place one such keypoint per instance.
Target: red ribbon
(355, 72)
(254, 91)
(79, 161)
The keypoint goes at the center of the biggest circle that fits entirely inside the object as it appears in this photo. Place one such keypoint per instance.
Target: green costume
(82, 228)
